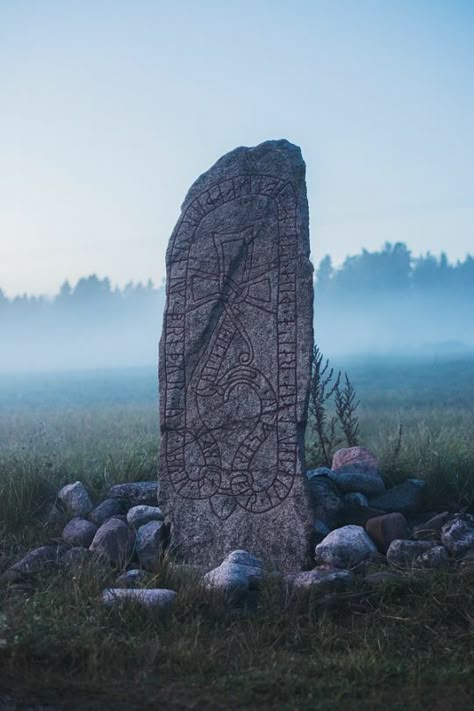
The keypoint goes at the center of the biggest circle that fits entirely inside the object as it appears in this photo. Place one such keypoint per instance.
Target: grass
(405, 647)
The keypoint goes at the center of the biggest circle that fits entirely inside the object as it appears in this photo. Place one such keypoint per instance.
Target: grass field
(409, 646)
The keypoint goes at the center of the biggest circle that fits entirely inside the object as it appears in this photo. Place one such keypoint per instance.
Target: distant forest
(377, 302)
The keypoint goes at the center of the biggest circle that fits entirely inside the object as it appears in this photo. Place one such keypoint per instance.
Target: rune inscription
(235, 361)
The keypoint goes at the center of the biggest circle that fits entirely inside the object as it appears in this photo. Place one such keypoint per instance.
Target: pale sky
(110, 109)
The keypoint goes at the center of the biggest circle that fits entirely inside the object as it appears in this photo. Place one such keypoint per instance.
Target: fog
(375, 304)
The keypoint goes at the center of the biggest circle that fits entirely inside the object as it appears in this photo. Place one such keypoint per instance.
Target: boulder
(404, 554)
(458, 534)
(239, 573)
(35, 561)
(404, 498)
(387, 528)
(355, 459)
(323, 578)
(326, 499)
(140, 515)
(107, 509)
(149, 545)
(75, 499)
(430, 530)
(345, 547)
(433, 559)
(79, 532)
(352, 480)
(144, 597)
(135, 493)
(114, 541)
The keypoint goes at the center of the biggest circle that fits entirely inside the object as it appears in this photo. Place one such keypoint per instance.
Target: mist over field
(374, 304)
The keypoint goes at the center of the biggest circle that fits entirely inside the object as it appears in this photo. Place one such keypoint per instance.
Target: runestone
(235, 357)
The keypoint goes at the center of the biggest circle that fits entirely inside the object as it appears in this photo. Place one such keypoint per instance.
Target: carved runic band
(231, 288)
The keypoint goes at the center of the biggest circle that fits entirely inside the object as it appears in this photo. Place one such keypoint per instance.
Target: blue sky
(109, 111)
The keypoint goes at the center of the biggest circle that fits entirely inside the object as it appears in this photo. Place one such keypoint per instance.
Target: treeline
(384, 301)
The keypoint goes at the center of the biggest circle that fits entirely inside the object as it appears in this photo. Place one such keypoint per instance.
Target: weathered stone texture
(235, 361)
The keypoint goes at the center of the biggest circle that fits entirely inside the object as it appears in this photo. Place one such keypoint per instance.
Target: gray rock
(458, 534)
(319, 471)
(79, 532)
(244, 558)
(345, 547)
(132, 578)
(107, 509)
(239, 573)
(149, 545)
(323, 579)
(76, 557)
(235, 358)
(135, 493)
(355, 459)
(75, 499)
(430, 530)
(354, 514)
(404, 498)
(140, 515)
(114, 541)
(326, 499)
(433, 559)
(355, 498)
(320, 531)
(352, 480)
(404, 554)
(144, 597)
(35, 561)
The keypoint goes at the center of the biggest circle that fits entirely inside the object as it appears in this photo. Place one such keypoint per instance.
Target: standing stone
(235, 359)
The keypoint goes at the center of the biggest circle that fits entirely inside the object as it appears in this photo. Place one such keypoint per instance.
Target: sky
(110, 110)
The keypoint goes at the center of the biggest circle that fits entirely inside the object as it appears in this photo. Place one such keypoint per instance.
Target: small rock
(357, 457)
(387, 528)
(35, 561)
(135, 493)
(76, 557)
(140, 515)
(355, 498)
(323, 579)
(149, 545)
(431, 530)
(242, 557)
(403, 554)
(319, 471)
(145, 597)
(357, 515)
(79, 532)
(358, 482)
(130, 578)
(326, 499)
(114, 540)
(382, 578)
(75, 499)
(345, 547)
(320, 531)
(235, 579)
(404, 498)
(107, 509)
(458, 534)
(435, 558)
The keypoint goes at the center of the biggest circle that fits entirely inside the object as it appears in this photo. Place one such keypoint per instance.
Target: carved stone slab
(235, 361)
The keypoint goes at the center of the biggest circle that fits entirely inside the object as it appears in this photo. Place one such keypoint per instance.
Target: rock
(144, 597)
(327, 501)
(358, 481)
(319, 471)
(387, 528)
(345, 547)
(131, 578)
(140, 515)
(107, 509)
(431, 530)
(354, 514)
(235, 356)
(404, 498)
(323, 579)
(114, 541)
(382, 578)
(458, 534)
(355, 498)
(320, 531)
(76, 557)
(433, 559)
(75, 499)
(79, 532)
(135, 493)
(355, 459)
(35, 561)
(149, 545)
(403, 554)
(239, 573)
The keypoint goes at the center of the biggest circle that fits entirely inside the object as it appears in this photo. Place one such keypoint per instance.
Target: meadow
(406, 646)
